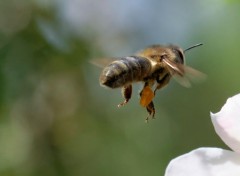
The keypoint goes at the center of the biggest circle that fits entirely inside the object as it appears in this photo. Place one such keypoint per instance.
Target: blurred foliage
(232, 1)
(57, 120)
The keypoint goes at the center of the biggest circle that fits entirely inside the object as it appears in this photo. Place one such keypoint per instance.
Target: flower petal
(227, 123)
(205, 162)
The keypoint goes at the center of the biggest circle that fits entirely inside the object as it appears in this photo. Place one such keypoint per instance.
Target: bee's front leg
(126, 93)
(162, 82)
(151, 110)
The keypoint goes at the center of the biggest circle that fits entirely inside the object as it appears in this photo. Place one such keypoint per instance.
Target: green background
(55, 119)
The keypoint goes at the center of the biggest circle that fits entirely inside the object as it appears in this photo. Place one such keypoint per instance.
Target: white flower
(214, 161)
(227, 123)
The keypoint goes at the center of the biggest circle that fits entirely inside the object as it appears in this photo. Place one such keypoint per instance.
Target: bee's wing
(102, 62)
(184, 74)
(185, 82)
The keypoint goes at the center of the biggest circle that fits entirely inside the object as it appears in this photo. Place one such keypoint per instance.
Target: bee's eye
(181, 57)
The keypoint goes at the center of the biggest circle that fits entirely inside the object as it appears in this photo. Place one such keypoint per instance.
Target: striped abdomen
(125, 71)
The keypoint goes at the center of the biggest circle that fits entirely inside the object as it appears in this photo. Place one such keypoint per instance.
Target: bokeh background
(55, 119)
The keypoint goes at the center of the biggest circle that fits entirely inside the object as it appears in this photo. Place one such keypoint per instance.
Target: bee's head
(179, 54)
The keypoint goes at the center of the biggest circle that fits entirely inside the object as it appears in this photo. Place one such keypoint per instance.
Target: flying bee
(154, 66)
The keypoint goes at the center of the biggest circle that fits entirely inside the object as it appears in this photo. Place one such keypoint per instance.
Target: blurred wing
(102, 62)
(175, 67)
(184, 74)
(185, 82)
(194, 75)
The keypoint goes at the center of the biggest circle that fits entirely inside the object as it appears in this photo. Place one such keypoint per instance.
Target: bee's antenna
(192, 47)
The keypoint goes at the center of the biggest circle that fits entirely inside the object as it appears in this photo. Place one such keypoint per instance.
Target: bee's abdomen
(124, 71)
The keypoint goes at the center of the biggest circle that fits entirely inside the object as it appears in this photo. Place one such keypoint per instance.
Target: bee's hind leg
(151, 110)
(126, 93)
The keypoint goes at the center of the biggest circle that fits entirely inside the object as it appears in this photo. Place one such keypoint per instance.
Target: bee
(154, 66)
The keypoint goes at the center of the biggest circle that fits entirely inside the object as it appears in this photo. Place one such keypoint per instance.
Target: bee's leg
(159, 86)
(151, 110)
(146, 95)
(127, 93)
(162, 82)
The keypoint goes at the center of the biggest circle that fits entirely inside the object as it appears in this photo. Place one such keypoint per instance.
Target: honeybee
(154, 66)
